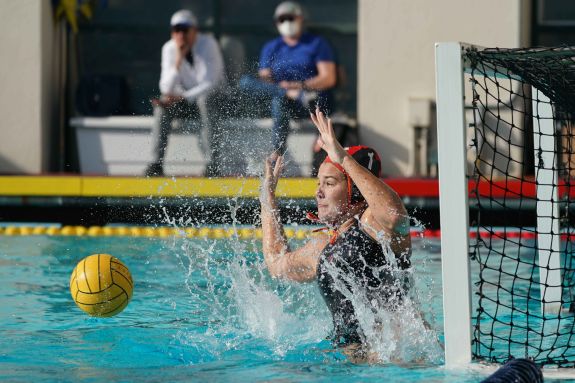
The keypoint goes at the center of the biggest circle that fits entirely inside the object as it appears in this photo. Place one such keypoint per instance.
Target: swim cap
(366, 157)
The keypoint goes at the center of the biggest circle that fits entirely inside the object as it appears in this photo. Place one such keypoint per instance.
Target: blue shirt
(298, 62)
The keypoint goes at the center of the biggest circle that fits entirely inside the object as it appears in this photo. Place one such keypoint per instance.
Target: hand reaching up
(328, 140)
(271, 176)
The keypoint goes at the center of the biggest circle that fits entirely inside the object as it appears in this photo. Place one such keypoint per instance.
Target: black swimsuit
(357, 258)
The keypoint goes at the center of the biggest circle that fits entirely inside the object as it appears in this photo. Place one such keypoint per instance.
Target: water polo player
(368, 236)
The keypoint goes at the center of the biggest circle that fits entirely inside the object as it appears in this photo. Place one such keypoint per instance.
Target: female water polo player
(368, 236)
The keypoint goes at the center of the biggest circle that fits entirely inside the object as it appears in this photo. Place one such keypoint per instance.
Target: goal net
(513, 111)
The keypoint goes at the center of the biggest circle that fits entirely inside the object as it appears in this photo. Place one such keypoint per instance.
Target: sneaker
(155, 170)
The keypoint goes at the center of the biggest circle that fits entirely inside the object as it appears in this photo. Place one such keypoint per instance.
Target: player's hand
(327, 139)
(273, 168)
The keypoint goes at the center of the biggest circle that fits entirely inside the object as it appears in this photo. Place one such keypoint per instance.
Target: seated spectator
(191, 77)
(296, 70)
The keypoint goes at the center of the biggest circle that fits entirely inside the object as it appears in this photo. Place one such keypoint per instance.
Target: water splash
(391, 321)
(228, 283)
(285, 317)
(246, 306)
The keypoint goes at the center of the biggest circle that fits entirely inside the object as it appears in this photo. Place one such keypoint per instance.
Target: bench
(121, 146)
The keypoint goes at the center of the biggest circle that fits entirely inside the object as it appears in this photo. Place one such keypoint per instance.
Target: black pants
(209, 110)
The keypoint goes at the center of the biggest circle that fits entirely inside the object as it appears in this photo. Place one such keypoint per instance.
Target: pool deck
(97, 200)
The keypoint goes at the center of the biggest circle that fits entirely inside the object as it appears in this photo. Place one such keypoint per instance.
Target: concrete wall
(25, 77)
(396, 60)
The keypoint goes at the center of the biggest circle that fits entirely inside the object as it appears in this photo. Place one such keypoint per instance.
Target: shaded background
(125, 38)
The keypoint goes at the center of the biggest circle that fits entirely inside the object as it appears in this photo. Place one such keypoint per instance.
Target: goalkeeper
(359, 210)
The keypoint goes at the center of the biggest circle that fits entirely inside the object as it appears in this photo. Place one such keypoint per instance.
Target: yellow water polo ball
(101, 285)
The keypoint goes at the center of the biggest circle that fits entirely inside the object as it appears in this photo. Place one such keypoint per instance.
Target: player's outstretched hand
(328, 140)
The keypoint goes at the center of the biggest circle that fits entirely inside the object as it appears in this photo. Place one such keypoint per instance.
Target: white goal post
(454, 203)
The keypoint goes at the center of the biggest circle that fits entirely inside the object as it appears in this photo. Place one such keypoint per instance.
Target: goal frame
(454, 202)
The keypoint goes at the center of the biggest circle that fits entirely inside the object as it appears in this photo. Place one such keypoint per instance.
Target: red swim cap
(366, 157)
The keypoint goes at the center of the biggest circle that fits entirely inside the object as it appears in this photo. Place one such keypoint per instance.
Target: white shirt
(190, 82)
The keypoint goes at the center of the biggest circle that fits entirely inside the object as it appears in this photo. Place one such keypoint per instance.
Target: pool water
(202, 310)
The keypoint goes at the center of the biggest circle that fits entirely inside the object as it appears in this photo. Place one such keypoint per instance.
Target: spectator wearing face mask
(296, 73)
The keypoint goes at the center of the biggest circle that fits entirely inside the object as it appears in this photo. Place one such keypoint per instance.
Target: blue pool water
(203, 310)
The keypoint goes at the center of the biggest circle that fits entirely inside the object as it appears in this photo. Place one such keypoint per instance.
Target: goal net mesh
(503, 154)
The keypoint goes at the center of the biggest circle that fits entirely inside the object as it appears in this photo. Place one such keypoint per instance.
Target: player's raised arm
(299, 265)
(385, 209)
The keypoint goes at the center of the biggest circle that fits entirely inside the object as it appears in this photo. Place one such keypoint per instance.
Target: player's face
(331, 194)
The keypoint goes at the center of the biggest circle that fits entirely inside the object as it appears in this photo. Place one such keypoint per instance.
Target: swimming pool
(203, 310)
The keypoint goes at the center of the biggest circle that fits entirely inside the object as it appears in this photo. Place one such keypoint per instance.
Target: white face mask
(289, 28)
